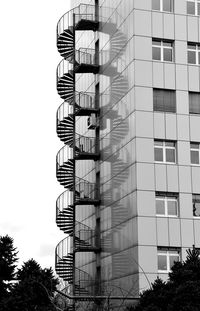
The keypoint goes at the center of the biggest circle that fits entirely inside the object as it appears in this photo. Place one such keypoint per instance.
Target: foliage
(7, 265)
(34, 287)
(181, 292)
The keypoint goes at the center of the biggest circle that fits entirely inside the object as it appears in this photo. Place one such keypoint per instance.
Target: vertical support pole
(74, 170)
(97, 136)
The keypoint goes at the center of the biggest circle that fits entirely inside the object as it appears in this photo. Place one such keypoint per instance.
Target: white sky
(28, 103)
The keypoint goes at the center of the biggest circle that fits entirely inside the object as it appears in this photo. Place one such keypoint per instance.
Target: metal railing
(85, 100)
(62, 68)
(64, 111)
(63, 201)
(83, 11)
(85, 56)
(64, 248)
(86, 236)
(85, 144)
(85, 189)
(64, 154)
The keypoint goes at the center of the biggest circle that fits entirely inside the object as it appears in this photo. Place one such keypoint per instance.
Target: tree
(8, 258)
(181, 292)
(34, 289)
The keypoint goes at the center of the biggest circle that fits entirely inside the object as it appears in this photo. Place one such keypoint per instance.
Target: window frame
(164, 149)
(167, 197)
(190, 102)
(162, 6)
(194, 149)
(164, 92)
(162, 48)
(197, 53)
(168, 255)
(196, 2)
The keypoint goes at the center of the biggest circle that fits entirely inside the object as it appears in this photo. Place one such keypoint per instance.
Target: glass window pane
(158, 154)
(156, 42)
(194, 146)
(196, 209)
(168, 5)
(168, 44)
(170, 144)
(170, 155)
(198, 8)
(167, 55)
(169, 101)
(194, 103)
(160, 207)
(162, 262)
(156, 53)
(194, 157)
(191, 57)
(191, 46)
(156, 5)
(172, 208)
(190, 7)
(158, 143)
(172, 259)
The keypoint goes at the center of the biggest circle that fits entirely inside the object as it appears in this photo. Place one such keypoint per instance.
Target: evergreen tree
(8, 258)
(181, 292)
(34, 290)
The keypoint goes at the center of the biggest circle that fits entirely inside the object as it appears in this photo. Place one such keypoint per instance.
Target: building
(130, 122)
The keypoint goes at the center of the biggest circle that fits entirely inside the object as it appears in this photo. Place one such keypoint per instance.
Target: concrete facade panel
(159, 125)
(162, 231)
(161, 177)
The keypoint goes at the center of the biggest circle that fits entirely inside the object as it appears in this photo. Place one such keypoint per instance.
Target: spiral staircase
(82, 238)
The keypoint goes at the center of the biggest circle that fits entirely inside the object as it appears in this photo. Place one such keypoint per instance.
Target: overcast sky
(28, 101)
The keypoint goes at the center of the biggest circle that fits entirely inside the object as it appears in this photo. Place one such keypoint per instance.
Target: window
(193, 7)
(193, 53)
(166, 204)
(196, 205)
(162, 50)
(164, 100)
(194, 103)
(166, 259)
(194, 153)
(162, 5)
(165, 151)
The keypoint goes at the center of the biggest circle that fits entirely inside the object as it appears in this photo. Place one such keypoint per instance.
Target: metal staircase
(80, 147)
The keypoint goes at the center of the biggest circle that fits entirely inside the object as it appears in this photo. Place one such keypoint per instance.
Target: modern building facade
(130, 122)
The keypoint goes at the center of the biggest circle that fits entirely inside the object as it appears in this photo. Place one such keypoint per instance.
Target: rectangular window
(166, 204)
(194, 153)
(166, 259)
(193, 53)
(196, 205)
(164, 100)
(193, 7)
(162, 5)
(194, 103)
(162, 50)
(165, 151)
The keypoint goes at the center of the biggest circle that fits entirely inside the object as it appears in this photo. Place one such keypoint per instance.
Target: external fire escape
(82, 238)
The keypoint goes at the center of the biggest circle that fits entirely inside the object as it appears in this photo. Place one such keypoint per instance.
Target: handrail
(82, 100)
(85, 143)
(64, 200)
(83, 10)
(64, 154)
(64, 110)
(90, 297)
(85, 189)
(63, 67)
(63, 248)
